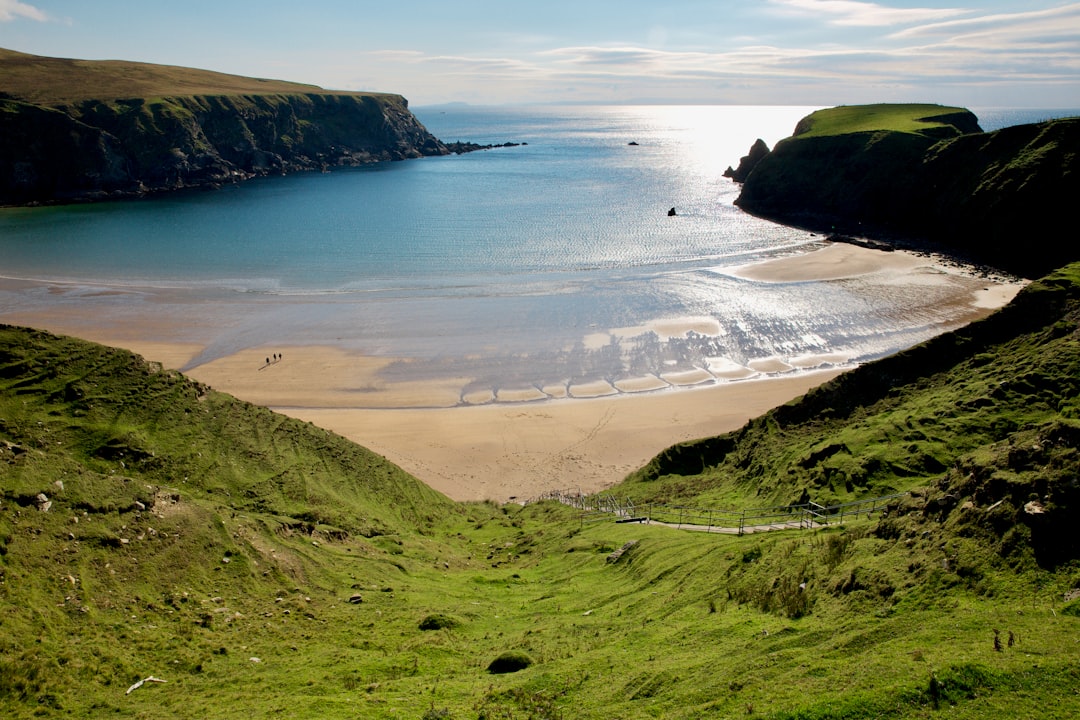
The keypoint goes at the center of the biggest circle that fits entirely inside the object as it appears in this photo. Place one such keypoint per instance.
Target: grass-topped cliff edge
(926, 173)
(931, 121)
(54, 82)
(86, 130)
(151, 527)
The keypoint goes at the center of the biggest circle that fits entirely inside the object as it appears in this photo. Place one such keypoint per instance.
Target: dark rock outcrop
(120, 148)
(1003, 198)
(748, 162)
(459, 147)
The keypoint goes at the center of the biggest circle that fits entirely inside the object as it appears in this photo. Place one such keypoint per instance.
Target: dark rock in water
(459, 147)
(632, 142)
(671, 212)
(748, 162)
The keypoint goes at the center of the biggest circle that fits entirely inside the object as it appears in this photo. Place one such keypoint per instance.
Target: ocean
(554, 261)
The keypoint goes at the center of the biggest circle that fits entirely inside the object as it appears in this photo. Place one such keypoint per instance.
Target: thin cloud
(455, 64)
(911, 64)
(413, 72)
(910, 53)
(13, 10)
(1059, 20)
(853, 13)
(613, 57)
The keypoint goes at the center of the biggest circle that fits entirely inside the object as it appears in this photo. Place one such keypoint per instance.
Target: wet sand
(518, 442)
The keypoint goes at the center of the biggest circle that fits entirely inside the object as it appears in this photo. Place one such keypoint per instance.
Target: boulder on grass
(509, 662)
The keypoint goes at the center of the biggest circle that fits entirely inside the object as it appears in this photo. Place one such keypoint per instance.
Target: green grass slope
(130, 492)
(991, 410)
(218, 547)
(113, 413)
(63, 81)
(917, 119)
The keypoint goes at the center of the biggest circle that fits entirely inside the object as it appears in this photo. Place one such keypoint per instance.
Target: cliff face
(96, 149)
(1002, 197)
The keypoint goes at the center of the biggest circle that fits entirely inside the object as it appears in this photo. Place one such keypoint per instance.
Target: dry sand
(833, 262)
(522, 442)
(503, 451)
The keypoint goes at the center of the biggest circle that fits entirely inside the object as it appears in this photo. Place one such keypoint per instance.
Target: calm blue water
(512, 265)
(995, 118)
(576, 199)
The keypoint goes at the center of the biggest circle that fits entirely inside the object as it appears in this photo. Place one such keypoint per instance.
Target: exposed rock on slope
(1002, 197)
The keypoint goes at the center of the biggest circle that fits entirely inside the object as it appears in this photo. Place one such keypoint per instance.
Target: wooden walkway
(806, 516)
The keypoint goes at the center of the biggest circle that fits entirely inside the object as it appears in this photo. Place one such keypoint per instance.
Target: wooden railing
(778, 517)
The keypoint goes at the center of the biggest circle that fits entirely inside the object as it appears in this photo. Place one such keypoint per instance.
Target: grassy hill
(65, 81)
(914, 119)
(259, 566)
(905, 420)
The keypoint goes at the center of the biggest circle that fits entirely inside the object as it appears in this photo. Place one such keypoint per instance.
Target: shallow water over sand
(536, 271)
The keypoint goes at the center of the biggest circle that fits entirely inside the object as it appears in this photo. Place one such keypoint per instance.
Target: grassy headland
(76, 130)
(914, 119)
(926, 173)
(66, 81)
(152, 527)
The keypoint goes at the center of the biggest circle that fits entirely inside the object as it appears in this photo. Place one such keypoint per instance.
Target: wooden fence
(778, 517)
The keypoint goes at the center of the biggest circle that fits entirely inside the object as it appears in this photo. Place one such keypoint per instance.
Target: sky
(974, 53)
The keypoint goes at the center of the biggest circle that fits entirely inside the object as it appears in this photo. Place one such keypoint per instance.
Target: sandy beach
(505, 452)
(516, 443)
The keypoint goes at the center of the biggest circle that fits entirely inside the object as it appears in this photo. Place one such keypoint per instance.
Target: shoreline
(473, 442)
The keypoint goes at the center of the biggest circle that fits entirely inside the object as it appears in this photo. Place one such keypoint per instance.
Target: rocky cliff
(58, 144)
(100, 149)
(1003, 197)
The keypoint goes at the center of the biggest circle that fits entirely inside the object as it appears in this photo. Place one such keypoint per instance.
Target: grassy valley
(167, 551)
(151, 527)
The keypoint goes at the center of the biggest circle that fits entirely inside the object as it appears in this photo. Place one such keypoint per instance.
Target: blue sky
(977, 53)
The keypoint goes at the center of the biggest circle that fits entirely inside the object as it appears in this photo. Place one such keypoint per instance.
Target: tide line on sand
(515, 441)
